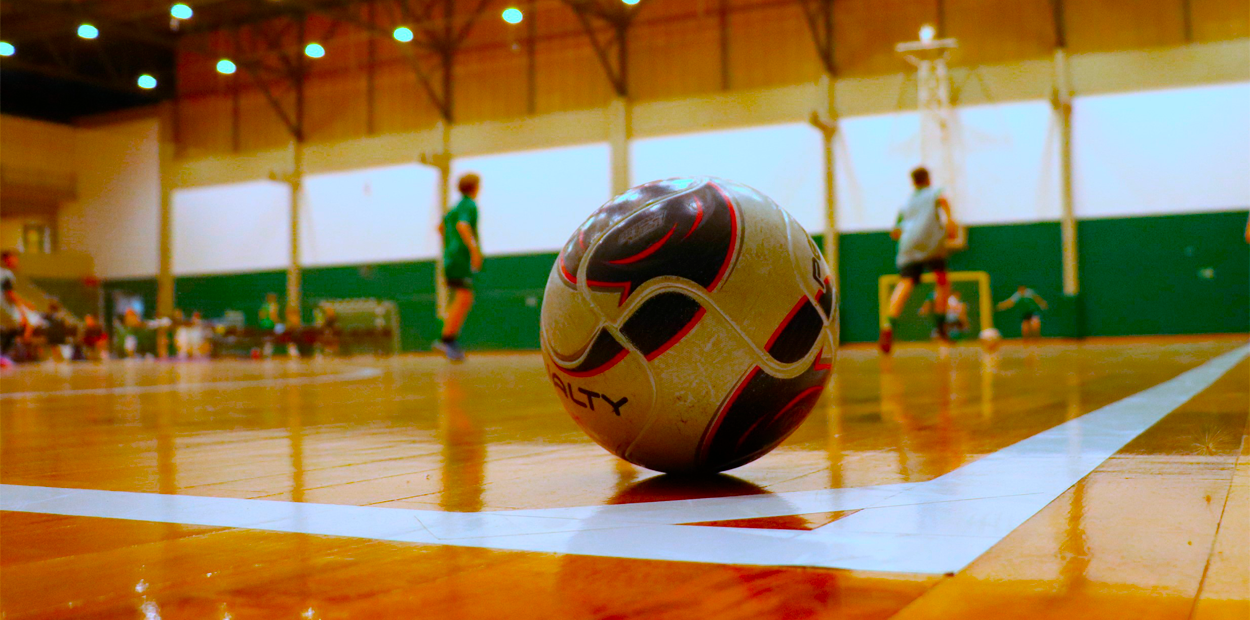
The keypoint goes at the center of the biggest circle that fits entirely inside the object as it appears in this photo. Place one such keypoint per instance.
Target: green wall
(74, 294)
(1179, 274)
(1148, 275)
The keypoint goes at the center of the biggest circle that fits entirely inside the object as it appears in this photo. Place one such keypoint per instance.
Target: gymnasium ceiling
(56, 75)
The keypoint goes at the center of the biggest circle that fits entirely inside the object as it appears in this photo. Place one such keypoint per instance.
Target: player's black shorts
(460, 283)
(1027, 316)
(912, 271)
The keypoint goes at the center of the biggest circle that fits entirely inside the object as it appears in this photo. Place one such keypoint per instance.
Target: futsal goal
(361, 326)
(973, 288)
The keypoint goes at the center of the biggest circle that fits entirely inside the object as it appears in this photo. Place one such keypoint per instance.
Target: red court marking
(733, 237)
(804, 522)
(785, 322)
(678, 336)
(647, 252)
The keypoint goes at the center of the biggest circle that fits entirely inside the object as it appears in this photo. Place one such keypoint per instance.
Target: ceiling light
(147, 82)
(225, 66)
(180, 11)
(513, 15)
(6, 48)
(87, 31)
(314, 50)
(927, 33)
(402, 34)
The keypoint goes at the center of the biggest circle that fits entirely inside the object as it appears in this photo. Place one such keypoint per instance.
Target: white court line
(929, 527)
(353, 375)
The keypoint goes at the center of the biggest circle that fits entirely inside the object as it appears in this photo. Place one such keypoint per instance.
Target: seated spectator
(182, 337)
(94, 340)
(15, 324)
(57, 332)
(199, 341)
(269, 321)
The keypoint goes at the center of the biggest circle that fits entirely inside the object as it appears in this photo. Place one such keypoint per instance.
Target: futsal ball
(990, 338)
(689, 326)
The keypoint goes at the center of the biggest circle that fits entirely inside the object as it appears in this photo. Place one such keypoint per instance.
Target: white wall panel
(368, 216)
(874, 155)
(116, 218)
(1009, 155)
(232, 228)
(782, 161)
(531, 201)
(1167, 151)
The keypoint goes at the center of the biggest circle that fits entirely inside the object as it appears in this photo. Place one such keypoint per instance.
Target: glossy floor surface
(1067, 500)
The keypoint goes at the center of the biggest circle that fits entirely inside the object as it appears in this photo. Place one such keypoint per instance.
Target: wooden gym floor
(934, 484)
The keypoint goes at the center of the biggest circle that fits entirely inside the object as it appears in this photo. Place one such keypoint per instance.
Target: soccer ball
(689, 326)
(990, 338)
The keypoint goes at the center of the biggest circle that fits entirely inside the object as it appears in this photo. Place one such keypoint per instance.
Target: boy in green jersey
(1031, 305)
(462, 257)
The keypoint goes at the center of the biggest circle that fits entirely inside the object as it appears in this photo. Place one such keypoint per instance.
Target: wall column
(825, 118)
(441, 160)
(620, 132)
(1061, 101)
(166, 149)
(294, 274)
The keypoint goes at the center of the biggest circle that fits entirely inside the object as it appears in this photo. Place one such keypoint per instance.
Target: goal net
(916, 323)
(360, 326)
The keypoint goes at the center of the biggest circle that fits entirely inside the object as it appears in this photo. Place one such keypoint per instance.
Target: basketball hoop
(937, 119)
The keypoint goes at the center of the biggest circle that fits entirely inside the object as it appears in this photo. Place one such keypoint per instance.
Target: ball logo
(570, 392)
(643, 227)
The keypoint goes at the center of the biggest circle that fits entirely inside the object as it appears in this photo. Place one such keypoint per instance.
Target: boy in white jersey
(921, 233)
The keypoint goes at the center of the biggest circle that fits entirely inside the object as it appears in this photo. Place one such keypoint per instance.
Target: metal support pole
(620, 131)
(165, 278)
(371, 61)
(723, 23)
(234, 115)
(1062, 103)
(294, 276)
(442, 161)
(531, 58)
(825, 119)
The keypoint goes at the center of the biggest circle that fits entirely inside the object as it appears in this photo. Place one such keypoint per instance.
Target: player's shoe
(886, 341)
(450, 349)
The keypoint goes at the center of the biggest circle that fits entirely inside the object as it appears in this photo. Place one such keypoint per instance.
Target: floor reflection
(463, 447)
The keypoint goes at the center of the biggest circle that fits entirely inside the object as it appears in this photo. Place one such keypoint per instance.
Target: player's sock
(886, 342)
(449, 339)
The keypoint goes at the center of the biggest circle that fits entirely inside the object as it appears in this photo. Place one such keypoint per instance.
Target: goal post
(970, 283)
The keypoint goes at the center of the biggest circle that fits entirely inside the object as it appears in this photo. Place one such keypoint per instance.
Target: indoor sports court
(624, 309)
